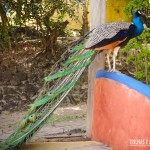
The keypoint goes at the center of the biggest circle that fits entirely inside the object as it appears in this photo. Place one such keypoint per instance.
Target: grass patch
(66, 118)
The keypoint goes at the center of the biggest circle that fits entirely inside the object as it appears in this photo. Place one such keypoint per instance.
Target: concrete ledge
(88, 145)
(126, 80)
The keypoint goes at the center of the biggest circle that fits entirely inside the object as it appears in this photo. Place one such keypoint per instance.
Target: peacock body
(65, 74)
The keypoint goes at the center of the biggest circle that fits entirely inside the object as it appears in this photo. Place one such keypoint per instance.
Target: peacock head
(138, 13)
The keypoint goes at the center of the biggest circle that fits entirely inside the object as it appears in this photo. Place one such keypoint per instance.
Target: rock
(23, 98)
(21, 76)
(9, 98)
(21, 89)
(10, 102)
(2, 102)
(1, 77)
(9, 90)
(1, 95)
(78, 130)
(5, 112)
(6, 76)
(31, 90)
(15, 81)
(1, 109)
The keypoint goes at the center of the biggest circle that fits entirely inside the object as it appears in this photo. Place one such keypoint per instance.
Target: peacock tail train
(64, 75)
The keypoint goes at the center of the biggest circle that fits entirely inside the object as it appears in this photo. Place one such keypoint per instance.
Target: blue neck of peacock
(139, 26)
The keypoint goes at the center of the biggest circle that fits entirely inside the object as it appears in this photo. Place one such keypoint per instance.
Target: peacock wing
(105, 31)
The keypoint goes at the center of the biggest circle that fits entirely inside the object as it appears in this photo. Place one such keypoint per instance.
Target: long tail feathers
(64, 75)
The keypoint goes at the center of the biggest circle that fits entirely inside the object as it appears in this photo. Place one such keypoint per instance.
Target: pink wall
(121, 116)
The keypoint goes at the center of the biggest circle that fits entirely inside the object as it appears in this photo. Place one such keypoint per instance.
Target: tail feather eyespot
(50, 93)
(71, 49)
(61, 70)
(70, 56)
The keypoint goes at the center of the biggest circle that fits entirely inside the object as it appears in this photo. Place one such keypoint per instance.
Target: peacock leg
(108, 59)
(116, 49)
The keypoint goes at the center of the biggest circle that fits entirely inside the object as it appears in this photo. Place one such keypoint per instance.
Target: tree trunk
(19, 9)
(4, 29)
(85, 27)
(3, 16)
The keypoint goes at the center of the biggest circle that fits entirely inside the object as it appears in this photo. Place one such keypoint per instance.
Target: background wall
(114, 12)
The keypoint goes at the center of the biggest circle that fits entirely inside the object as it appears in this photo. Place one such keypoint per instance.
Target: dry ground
(67, 124)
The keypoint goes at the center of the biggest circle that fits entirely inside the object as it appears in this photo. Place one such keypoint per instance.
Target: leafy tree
(47, 17)
(135, 4)
(137, 52)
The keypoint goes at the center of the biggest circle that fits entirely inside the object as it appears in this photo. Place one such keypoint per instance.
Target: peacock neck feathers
(137, 26)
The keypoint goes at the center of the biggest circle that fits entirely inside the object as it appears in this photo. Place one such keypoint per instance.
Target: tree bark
(3, 16)
(19, 9)
(85, 27)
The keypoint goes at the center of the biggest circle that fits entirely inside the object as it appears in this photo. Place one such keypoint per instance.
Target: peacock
(112, 36)
(66, 71)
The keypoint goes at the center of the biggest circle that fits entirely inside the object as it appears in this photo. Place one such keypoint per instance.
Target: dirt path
(68, 123)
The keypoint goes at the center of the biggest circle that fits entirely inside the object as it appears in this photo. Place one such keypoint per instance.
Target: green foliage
(23, 11)
(138, 56)
(135, 4)
(137, 51)
(46, 16)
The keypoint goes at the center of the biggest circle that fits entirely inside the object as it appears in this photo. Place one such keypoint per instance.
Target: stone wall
(19, 87)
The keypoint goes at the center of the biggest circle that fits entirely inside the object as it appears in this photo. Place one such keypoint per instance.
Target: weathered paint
(115, 10)
(121, 113)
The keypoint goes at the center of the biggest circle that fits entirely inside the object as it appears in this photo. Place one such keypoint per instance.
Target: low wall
(121, 115)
